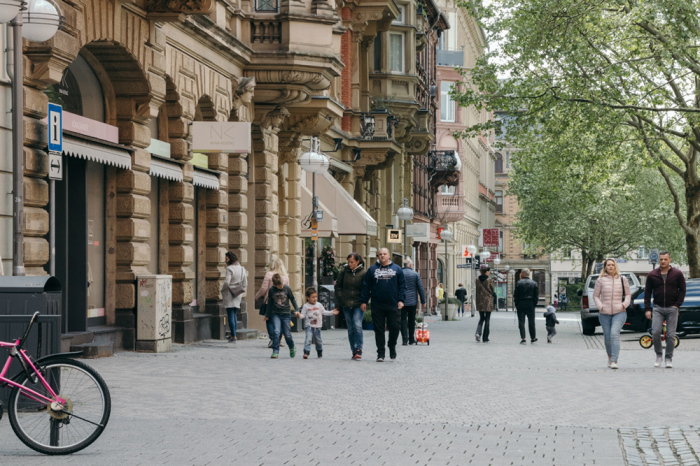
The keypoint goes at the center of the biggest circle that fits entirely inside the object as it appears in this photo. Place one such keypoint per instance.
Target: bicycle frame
(17, 351)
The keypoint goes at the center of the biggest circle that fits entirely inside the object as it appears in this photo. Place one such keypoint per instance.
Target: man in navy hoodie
(385, 285)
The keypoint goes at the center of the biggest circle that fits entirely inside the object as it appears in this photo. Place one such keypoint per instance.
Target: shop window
(396, 52)
(82, 96)
(269, 6)
(447, 105)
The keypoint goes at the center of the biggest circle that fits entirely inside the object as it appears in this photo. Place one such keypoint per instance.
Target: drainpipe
(17, 149)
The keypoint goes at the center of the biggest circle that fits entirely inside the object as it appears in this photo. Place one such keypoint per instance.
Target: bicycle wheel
(77, 425)
(676, 343)
(645, 341)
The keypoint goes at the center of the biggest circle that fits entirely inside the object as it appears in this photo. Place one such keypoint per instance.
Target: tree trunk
(692, 242)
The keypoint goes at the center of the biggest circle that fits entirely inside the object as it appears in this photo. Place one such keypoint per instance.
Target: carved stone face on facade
(245, 90)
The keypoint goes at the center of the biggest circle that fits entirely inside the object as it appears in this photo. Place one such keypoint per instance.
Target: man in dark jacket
(385, 285)
(414, 289)
(667, 284)
(461, 294)
(525, 297)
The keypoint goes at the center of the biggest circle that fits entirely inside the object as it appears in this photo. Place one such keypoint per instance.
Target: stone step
(94, 350)
(246, 333)
(75, 338)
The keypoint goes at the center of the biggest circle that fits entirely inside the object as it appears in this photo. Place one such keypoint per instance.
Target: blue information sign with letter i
(55, 128)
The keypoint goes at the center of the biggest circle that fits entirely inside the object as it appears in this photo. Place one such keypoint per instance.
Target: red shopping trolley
(422, 333)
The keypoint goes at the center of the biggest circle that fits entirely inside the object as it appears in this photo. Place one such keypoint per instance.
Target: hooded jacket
(484, 294)
(348, 287)
(385, 285)
(668, 293)
(550, 317)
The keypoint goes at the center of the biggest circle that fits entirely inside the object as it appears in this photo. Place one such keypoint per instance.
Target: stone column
(290, 213)
(216, 244)
(238, 217)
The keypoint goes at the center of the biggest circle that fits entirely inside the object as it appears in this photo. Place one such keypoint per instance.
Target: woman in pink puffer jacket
(612, 296)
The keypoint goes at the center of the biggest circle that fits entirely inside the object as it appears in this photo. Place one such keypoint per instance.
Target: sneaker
(405, 343)
(356, 356)
(533, 340)
(486, 341)
(478, 337)
(609, 363)
(659, 359)
(613, 365)
(380, 359)
(392, 353)
(269, 345)
(306, 355)
(523, 342)
(549, 339)
(320, 354)
(292, 352)
(669, 364)
(274, 355)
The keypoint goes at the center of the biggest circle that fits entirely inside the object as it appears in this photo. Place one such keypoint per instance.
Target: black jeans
(528, 312)
(383, 318)
(408, 324)
(485, 320)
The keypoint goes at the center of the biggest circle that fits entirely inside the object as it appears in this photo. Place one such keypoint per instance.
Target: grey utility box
(155, 311)
(20, 298)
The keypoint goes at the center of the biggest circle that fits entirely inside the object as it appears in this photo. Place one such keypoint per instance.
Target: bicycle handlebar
(29, 328)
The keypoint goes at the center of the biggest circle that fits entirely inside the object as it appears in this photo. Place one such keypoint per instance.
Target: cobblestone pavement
(454, 402)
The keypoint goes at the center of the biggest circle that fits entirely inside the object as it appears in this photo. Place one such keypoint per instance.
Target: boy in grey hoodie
(550, 322)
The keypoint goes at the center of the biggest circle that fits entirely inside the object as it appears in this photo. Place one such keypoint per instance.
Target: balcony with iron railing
(450, 207)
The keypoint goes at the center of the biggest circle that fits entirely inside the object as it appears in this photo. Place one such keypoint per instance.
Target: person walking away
(385, 285)
(551, 322)
(611, 294)
(312, 312)
(348, 287)
(525, 296)
(484, 304)
(279, 297)
(276, 267)
(232, 291)
(461, 294)
(414, 290)
(667, 285)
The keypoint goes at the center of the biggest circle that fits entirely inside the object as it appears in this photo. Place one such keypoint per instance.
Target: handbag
(238, 288)
(263, 309)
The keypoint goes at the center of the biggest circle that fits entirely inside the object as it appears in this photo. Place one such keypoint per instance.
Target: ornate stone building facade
(135, 77)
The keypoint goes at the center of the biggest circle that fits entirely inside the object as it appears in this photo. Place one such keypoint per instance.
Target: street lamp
(496, 263)
(405, 213)
(446, 236)
(42, 18)
(314, 162)
(471, 249)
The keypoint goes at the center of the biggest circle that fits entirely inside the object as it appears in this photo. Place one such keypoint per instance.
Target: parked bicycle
(57, 405)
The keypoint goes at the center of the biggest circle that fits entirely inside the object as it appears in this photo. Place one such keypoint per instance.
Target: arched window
(499, 163)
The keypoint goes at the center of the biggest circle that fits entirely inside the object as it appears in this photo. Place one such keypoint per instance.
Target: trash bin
(326, 296)
(20, 298)
(154, 313)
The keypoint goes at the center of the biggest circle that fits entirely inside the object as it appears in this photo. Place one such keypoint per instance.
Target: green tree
(631, 68)
(578, 189)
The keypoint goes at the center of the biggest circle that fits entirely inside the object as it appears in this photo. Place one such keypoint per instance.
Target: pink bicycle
(57, 405)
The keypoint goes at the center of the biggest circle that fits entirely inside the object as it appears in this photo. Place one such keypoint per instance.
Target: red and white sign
(491, 237)
(465, 251)
(490, 259)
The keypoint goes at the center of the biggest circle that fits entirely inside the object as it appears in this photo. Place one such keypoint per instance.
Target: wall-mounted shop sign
(214, 136)
(88, 127)
(200, 160)
(159, 147)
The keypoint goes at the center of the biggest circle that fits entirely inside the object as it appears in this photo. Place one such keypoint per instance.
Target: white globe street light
(485, 254)
(41, 21)
(9, 9)
(471, 249)
(446, 235)
(497, 261)
(313, 162)
(405, 213)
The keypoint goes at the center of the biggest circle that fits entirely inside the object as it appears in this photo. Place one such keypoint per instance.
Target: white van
(589, 311)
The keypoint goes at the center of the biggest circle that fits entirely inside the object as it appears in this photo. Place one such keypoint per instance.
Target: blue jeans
(353, 317)
(281, 325)
(612, 325)
(312, 333)
(232, 319)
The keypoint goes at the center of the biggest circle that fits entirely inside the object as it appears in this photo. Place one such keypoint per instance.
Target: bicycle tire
(26, 415)
(645, 341)
(676, 342)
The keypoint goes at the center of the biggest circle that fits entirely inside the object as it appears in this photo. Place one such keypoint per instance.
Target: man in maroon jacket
(667, 284)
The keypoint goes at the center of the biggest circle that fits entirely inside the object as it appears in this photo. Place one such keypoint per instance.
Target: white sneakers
(659, 359)
(669, 364)
(477, 336)
(613, 365)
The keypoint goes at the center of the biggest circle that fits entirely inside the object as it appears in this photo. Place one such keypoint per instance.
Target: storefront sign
(490, 237)
(55, 128)
(159, 147)
(200, 160)
(420, 232)
(214, 136)
(393, 236)
(88, 127)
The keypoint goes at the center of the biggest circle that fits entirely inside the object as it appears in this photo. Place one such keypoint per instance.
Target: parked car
(589, 311)
(688, 315)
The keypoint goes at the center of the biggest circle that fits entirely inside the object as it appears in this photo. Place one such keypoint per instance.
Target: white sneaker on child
(659, 359)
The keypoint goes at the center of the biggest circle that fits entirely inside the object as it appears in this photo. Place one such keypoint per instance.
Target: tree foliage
(629, 68)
